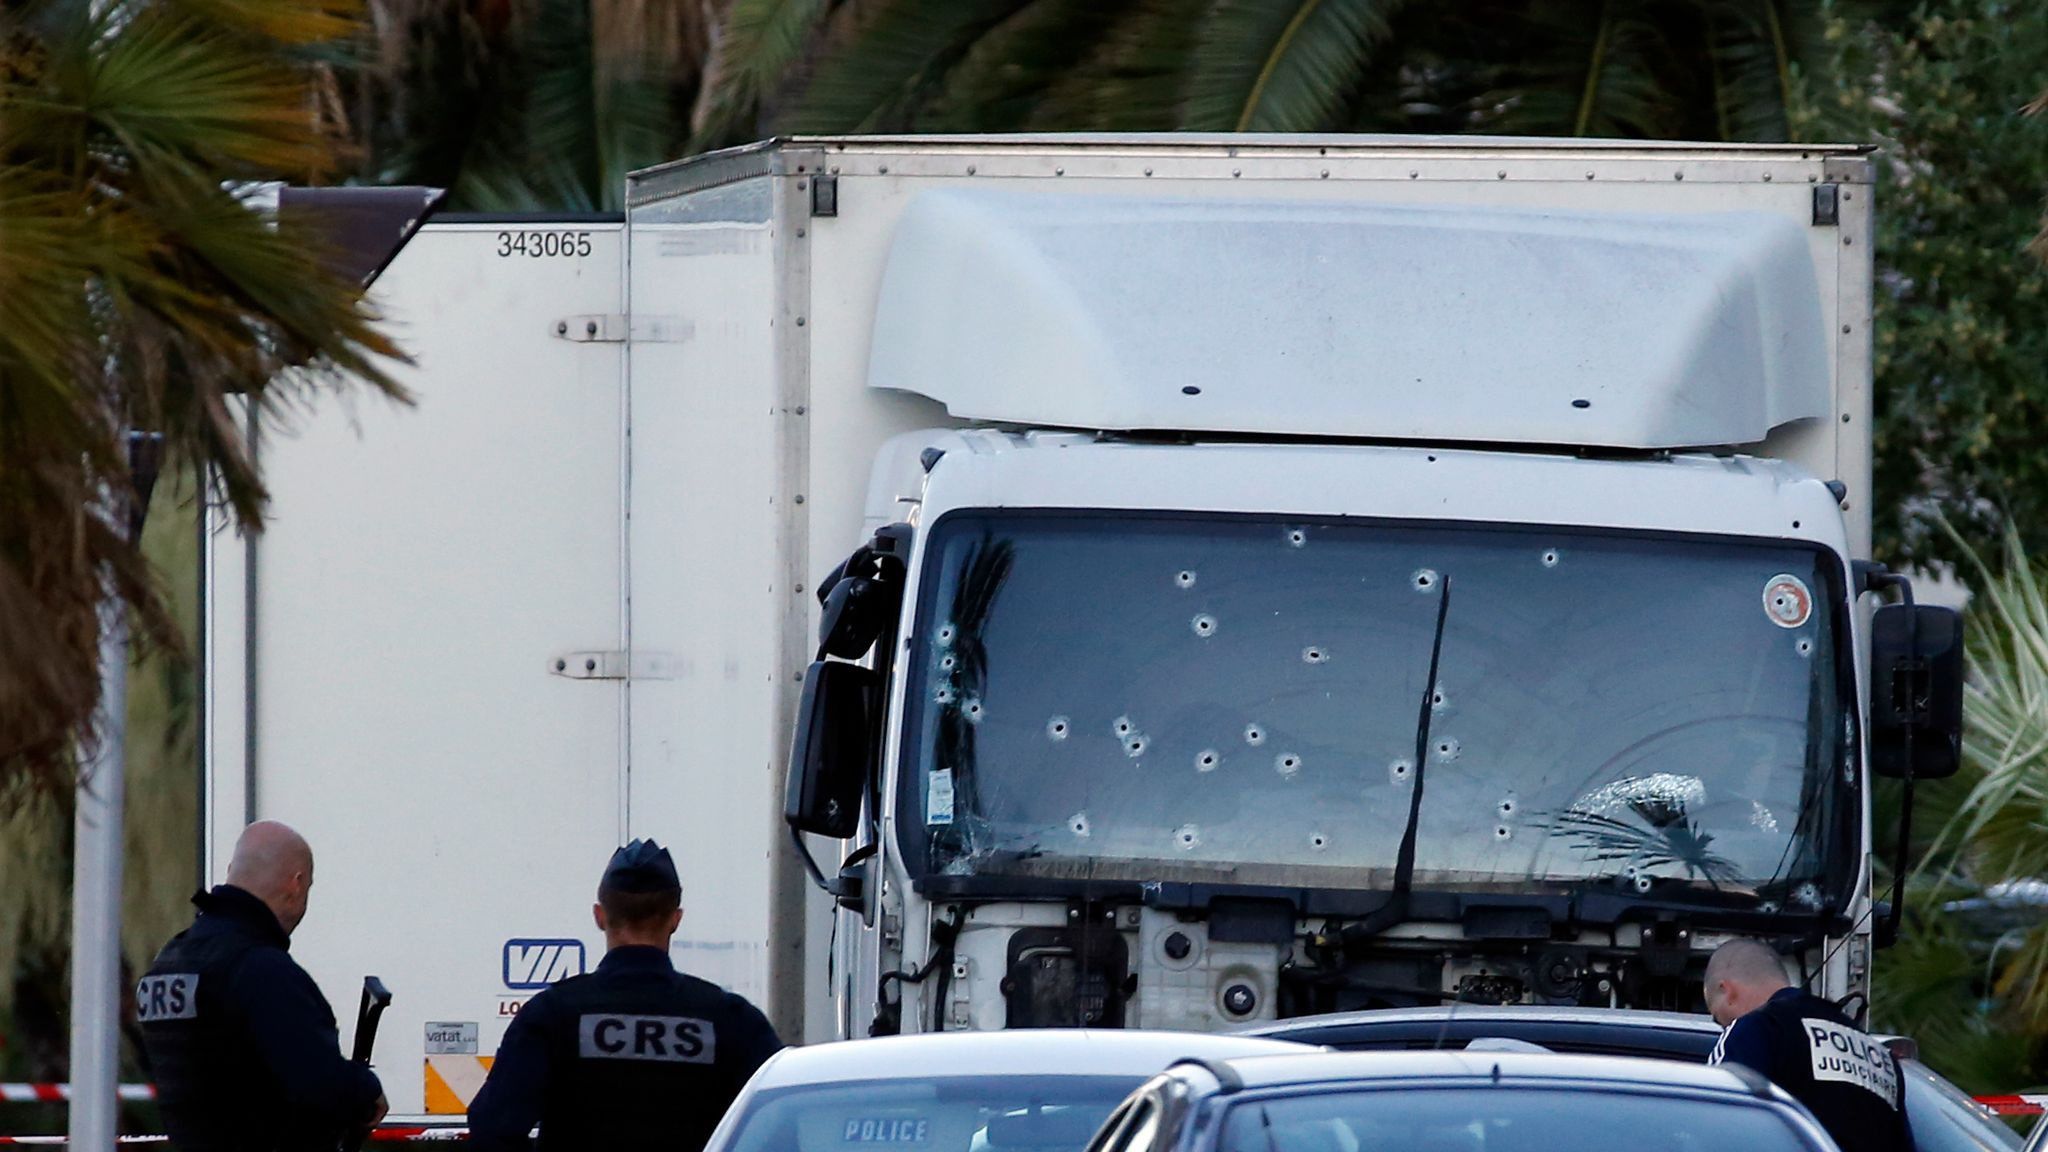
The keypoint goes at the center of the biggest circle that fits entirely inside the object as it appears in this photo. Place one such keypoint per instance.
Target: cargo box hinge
(615, 328)
(614, 664)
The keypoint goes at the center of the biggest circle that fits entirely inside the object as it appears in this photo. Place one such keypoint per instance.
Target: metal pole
(98, 843)
(96, 899)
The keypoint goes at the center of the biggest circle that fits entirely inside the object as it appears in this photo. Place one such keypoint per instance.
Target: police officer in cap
(1805, 1045)
(241, 1042)
(634, 1055)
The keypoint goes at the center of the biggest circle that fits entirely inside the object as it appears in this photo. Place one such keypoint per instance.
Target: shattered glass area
(1236, 700)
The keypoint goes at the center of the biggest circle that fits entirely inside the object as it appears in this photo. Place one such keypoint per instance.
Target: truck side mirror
(833, 754)
(1916, 691)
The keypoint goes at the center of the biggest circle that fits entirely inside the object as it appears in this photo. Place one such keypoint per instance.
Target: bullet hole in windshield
(1057, 727)
(946, 633)
(1807, 895)
(1767, 907)
(1551, 557)
(1185, 578)
(1318, 841)
(1313, 655)
(1204, 625)
(972, 710)
(946, 662)
(1296, 537)
(1425, 579)
(1134, 746)
(1206, 760)
(1078, 824)
(1437, 700)
(1254, 735)
(944, 695)
(1502, 832)
(1187, 837)
(1287, 763)
(1643, 882)
(1804, 646)
(1507, 806)
(1123, 727)
(1398, 771)
(1447, 749)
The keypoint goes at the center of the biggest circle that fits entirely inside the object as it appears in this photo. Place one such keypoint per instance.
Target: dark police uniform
(632, 1056)
(1849, 1081)
(241, 1042)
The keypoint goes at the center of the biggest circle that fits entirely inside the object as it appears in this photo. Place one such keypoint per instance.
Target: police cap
(641, 866)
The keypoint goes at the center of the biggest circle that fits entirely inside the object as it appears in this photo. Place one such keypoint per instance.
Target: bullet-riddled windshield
(1236, 700)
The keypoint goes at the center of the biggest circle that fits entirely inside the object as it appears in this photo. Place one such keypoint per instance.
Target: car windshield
(1011, 1113)
(1496, 1119)
(1237, 699)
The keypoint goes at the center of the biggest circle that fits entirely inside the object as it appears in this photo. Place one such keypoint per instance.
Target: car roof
(1278, 1071)
(1061, 1051)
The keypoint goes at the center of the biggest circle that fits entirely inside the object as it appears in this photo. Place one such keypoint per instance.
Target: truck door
(417, 663)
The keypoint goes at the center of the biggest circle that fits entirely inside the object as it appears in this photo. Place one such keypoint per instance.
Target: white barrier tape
(58, 1093)
(2018, 1104)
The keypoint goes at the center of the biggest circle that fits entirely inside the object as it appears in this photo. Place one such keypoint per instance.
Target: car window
(943, 1114)
(1492, 1119)
(1945, 1120)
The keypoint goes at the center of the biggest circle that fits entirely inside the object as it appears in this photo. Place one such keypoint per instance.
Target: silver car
(1021, 1091)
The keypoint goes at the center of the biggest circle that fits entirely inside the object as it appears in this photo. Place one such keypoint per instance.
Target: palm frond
(758, 42)
(883, 58)
(1613, 74)
(1756, 48)
(1000, 80)
(1281, 65)
(141, 293)
(1132, 77)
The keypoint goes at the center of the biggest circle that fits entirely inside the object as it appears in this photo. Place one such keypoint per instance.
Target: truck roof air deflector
(1472, 323)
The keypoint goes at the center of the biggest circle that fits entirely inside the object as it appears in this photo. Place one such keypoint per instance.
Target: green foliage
(1969, 978)
(1962, 307)
(525, 105)
(1282, 65)
(1712, 69)
(141, 292)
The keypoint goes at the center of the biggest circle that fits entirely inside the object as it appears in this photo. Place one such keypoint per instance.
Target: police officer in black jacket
(241, 1042)
(1805, 1045)
(632, 1056)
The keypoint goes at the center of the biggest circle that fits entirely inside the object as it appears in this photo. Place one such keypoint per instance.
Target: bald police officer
(1805, 1045)
(241, 1042)
(634, 1055)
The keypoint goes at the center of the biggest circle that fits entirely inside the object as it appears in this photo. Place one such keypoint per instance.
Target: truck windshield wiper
(1395, 908)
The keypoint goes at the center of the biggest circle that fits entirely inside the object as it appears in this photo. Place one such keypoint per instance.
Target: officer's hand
(378, 1109)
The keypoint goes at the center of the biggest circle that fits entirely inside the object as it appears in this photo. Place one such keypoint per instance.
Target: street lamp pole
(97, 843)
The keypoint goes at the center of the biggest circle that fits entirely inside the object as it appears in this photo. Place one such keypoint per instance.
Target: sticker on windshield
(886, 1130)
(938, 797)
(1787, 602)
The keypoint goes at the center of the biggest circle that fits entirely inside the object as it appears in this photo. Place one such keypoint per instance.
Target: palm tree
(523, 105)
(144, 290)
(1702, 69)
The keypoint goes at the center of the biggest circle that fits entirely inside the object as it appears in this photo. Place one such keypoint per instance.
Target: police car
(1021, 1091)
(1944, 1119)
(1457, 1101)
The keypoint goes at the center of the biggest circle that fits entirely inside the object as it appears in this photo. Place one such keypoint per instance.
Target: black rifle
(376, 998)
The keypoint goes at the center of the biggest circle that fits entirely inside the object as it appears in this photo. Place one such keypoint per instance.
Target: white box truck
(1259, 575)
